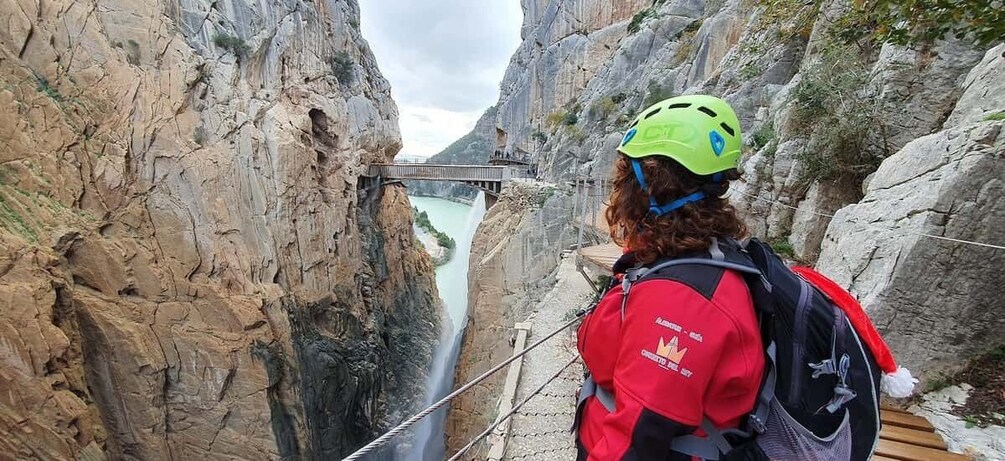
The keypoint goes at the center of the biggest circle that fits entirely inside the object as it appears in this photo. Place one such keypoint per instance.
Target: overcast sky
(444, 58)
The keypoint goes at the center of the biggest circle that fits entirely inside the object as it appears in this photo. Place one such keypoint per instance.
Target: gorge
(460, 222)
(196, 264)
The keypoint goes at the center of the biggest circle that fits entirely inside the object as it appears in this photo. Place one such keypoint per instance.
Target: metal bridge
(487, 178)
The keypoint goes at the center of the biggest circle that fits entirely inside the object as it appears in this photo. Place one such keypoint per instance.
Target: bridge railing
(424, 171)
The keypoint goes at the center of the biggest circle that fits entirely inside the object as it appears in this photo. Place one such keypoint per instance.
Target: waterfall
(452, 283)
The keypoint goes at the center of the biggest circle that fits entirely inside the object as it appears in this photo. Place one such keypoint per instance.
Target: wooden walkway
(908, 437)
(904, 436)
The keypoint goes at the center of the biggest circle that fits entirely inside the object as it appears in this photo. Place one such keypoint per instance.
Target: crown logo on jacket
(670, 351)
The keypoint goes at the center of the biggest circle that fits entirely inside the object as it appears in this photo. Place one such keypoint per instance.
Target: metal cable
(516, 408)
(383, 439)
(920, 234)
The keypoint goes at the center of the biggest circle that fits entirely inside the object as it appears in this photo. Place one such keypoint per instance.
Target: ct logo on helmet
(669, 131)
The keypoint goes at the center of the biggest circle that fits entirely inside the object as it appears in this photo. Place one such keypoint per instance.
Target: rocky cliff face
(936, 299)
(190, 263)
(514, 257)
(820, 116)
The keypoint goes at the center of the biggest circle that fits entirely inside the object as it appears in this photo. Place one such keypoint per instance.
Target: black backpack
(820, 396)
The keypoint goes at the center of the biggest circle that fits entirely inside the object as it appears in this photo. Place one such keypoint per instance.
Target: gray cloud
(445, 54)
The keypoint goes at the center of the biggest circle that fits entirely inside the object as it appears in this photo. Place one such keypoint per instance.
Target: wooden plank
(913, 437)
(602, 256)
(906, 420)
(500, 435)
(882, 458)
(906, 452)
(893, 409)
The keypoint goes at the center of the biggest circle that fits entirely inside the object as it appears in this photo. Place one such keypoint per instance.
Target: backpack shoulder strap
(633, 276)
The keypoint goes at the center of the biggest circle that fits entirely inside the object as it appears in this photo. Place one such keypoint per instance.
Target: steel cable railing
(401, 428)
(502, 418)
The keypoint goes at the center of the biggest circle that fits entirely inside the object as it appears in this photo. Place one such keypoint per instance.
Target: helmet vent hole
(634, 124)
(728, 129)
(679, 106)
(653, 113)
(707, 111)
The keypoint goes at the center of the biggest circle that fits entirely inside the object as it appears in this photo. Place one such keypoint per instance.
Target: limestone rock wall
(190, 263)
(935, 300)
(514, 256)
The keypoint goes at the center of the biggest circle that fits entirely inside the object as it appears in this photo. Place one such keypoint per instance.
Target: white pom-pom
(898, 384)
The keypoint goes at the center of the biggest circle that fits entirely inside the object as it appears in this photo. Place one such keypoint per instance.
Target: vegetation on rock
(911, 22)
(342, 67)
(422, 220)
(657, 92)
(831, 108)
(642, 16)
(232, 43)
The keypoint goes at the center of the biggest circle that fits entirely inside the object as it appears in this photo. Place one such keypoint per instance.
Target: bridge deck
(424, 171)
(904, 437)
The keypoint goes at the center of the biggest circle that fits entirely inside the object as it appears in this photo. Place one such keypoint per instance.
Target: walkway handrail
(427, 171)
(910, 232)
(383, 439)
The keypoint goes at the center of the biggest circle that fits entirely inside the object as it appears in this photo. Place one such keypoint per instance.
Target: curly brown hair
(690, 228)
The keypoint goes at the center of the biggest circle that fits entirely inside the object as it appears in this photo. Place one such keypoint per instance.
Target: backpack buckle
(757, 424)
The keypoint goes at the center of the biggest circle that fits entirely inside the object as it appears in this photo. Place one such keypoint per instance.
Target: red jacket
(689, 346)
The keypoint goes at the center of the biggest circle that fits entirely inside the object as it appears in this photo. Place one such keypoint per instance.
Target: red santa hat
(897, 381)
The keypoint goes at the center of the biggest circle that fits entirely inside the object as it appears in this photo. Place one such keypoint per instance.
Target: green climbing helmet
(700, 132)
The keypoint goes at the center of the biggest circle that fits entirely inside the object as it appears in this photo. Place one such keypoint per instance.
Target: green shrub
(555, 118)
(840, 121)
(751, 70)
(783, 248)
(639, 18)
(995, 117)
(576, 134)
(342, 67)
(912, 22)
(603, 108)
(657, 92)
(539, 136)
(422, 220)
(12, 221)
(232, 43)
(445, 241)
(693, 27)
(764, 135)
(42, 85)
(570, 118)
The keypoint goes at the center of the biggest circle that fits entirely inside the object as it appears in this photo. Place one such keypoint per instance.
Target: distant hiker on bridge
(678, 369)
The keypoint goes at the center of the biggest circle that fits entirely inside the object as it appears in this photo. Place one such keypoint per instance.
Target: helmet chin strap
(660, 210)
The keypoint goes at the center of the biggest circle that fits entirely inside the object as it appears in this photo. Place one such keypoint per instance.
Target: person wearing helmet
(684, 350)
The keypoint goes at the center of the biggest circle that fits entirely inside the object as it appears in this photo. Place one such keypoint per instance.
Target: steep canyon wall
(190, 263)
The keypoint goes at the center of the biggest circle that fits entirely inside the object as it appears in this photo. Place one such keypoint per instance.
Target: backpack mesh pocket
(786, 440)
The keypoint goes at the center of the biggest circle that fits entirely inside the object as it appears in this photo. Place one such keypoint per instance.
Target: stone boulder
(984, 93)
(936, 299)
